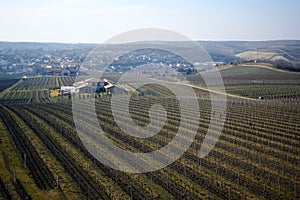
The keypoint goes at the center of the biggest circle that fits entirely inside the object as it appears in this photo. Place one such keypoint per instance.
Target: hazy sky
(98, 20)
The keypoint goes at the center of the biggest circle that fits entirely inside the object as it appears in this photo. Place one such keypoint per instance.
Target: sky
(95, 21)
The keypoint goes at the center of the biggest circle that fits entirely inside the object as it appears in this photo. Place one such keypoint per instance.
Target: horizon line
(94, 43)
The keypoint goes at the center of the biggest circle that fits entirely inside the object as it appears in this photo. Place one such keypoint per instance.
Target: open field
(256, 157)
(260, 55)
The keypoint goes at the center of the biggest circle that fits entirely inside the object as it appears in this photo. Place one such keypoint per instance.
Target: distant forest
(285, 65)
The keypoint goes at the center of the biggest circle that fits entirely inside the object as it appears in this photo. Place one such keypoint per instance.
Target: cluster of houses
(93, 85)
(67, 71)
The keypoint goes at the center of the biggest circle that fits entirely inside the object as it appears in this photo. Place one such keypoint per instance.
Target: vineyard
(4, 84)
(271, 92)
(251, 81)
(36, 89)
(257, 155)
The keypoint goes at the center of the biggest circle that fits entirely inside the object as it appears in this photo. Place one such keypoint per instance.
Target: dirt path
(217, 92)
(209, 90)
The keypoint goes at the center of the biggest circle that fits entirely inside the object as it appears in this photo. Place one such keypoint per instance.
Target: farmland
(4, 84)
(256, 157)
(252, 81)
(36, 89)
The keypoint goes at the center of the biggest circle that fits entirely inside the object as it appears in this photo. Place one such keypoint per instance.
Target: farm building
(95, 85)
(65, 90)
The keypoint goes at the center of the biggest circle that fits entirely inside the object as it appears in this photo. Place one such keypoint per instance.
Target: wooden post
(15, 175)
(78, 179)
(25, 159)
(57, 183)
(295, 184)
(244, 191)
(89, 192)
(238, 181)
(184, 171)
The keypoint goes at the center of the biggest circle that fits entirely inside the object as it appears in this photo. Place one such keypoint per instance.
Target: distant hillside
(44, 46)
(227, 51)
(260, 55)
(224, 51)
(284, 54)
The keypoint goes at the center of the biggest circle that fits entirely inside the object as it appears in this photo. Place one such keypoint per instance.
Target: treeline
(286, 65)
